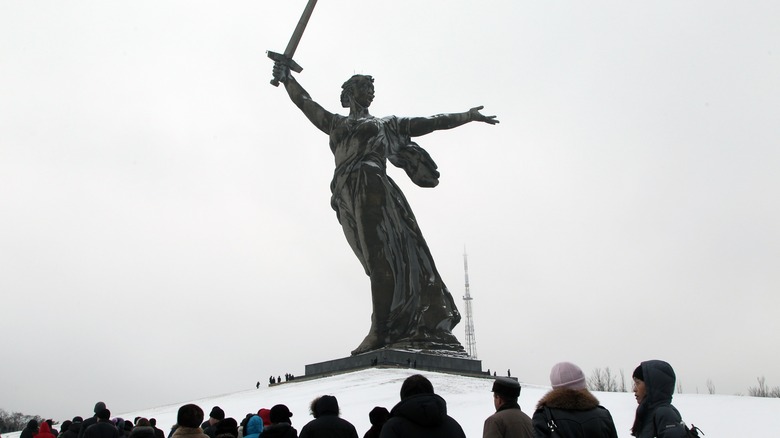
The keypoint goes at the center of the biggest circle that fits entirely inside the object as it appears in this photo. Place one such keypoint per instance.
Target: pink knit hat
(568, 376)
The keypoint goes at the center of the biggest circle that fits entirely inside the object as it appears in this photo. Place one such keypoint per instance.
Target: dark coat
(509, 421)
(72, 432)
(655, 415)
(85, 425)
(102, 429)
(142, 432)
(29, 430)
(328, 424)
(279, 430)
(421, 416)
(577, 413)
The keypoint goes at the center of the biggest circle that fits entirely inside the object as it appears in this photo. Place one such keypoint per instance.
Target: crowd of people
(567, 410)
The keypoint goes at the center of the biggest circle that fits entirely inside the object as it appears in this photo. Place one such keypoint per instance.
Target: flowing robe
(383, 232)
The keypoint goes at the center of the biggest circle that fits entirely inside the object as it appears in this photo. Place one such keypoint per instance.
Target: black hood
(659, 382)
(426, 410)
(327, 405)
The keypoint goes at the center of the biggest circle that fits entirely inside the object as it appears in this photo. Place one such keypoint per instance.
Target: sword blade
(298, 33)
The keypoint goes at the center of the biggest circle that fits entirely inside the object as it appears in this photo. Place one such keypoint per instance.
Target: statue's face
(363, 93)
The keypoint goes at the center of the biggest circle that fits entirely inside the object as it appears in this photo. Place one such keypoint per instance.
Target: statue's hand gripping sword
(286, 58)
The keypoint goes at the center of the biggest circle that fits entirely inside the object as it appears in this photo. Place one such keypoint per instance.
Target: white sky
(469, 401)
(165, 227)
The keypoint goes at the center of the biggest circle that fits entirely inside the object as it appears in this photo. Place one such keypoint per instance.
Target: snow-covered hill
(469, 401)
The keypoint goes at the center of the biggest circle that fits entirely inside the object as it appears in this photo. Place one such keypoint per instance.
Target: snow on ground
(469, 401)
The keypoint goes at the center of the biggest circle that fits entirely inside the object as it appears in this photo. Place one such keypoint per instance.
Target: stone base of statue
(423, 359)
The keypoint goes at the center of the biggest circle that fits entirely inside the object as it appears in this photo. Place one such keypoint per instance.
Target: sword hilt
(284, 60)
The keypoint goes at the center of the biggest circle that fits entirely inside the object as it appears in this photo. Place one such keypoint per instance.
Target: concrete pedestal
(397, 358)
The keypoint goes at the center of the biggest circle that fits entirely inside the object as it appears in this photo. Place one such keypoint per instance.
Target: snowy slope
(469, 401)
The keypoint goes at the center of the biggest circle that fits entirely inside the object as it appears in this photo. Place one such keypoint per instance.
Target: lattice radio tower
(471, 341)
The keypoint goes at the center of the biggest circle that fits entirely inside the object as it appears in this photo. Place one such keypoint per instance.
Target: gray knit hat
(568, 376)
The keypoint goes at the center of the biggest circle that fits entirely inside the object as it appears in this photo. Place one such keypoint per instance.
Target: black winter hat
(280, 414)
(77, 419)
(378, 415)
(99, 406)
(638, 373)
(506, 386)
(217, 413)
(228, 426)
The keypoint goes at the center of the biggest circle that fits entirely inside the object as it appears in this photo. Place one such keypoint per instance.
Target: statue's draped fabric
(382, 230)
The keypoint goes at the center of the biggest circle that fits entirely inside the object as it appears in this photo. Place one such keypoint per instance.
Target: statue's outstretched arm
(425, 125)
(319, 116)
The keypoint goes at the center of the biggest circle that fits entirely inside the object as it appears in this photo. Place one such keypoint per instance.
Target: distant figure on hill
(420, 413)
(326, 422)
(570, 408)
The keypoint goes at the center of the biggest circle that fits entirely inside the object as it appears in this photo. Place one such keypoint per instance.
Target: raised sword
(286, 57)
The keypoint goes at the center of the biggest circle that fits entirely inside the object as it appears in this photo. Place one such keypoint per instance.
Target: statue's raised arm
(319, 116)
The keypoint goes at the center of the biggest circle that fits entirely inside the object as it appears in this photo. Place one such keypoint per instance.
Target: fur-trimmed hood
(569, 399)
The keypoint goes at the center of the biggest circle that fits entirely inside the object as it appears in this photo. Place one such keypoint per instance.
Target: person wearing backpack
(570, 410)
(654, 382)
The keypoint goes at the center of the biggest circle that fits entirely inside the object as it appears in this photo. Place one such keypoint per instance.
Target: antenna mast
(471, 342)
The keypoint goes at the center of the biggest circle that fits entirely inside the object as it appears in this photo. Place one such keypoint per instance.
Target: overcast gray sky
(165, 227)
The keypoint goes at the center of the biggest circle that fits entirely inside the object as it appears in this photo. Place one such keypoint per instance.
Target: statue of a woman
(412, 308)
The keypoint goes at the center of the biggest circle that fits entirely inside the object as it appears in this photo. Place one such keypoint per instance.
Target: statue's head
(358, 88)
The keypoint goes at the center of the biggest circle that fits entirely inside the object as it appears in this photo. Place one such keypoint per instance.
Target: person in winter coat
(227, 428)
(326, 422)
(420, 413)
(188, 421)
(73, 429)
(573, 410)
(210, 426)
(378, 417)
(142, 429)
(104, 428)
(508, 421)
(654, 382)
(64, 427)
(30, 430)
(254, 427)
(99, 406)
(45, 431)
(158, 433)
(281, 425)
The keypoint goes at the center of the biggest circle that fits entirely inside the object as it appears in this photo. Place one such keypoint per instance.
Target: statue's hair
(348, 87)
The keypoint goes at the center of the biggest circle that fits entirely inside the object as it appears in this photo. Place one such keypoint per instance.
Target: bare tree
(603, 380)
(762, 390)
(623, 381)
(710, 386)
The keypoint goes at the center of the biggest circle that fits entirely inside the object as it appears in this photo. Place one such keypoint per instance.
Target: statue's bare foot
(372, 342)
